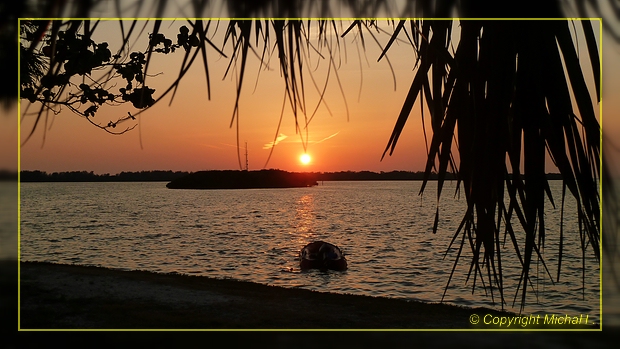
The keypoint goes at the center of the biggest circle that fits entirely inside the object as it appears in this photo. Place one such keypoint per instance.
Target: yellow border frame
(600, 21)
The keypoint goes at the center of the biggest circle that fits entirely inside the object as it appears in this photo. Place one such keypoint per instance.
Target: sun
(305, 159)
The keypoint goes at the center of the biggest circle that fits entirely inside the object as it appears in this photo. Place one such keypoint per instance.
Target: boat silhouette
(323, 256)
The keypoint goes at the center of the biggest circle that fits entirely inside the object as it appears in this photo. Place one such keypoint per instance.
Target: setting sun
(305, 159)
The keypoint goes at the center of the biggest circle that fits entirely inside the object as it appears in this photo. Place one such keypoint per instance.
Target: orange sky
(194, 134)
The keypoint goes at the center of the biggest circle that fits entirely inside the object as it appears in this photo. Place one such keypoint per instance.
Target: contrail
(215, 146)
(282, 137)
(326, 138)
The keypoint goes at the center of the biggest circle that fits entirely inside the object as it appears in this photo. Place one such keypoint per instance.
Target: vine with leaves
(63, 67)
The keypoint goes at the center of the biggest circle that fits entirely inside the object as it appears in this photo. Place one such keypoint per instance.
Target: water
(8, 220)
(384, 229)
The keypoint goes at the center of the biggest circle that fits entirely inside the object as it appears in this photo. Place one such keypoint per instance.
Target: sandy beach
(55, 296)
(70, 297)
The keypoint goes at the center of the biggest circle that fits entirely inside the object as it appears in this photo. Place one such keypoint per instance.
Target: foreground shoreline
(60, 296)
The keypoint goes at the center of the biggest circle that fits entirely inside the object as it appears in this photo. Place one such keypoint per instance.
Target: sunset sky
(195, 134)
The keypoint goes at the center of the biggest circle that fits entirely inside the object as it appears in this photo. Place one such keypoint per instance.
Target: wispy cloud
(218, 147)
(326, 138)
(210, 146)
(279, 139)
(282, 137)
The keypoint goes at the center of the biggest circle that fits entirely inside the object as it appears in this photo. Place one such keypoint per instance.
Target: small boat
(322, 255)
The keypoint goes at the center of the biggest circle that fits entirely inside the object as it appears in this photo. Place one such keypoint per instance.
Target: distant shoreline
(261, 179)
(167, 176)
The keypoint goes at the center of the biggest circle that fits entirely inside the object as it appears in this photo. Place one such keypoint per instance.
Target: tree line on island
(165, 176)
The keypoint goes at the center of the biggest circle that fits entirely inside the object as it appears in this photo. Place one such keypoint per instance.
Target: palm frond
(505, 93)
(512, 94)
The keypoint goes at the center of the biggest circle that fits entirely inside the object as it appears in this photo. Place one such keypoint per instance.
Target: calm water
(384, 229)
(8, 220)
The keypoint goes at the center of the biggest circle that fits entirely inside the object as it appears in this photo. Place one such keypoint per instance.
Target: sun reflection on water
(305, 220)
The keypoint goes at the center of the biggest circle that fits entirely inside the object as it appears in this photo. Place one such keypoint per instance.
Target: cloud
(279, 139)
(326, 138)
(282, 137)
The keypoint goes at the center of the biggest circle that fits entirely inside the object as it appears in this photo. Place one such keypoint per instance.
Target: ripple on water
(384, 229)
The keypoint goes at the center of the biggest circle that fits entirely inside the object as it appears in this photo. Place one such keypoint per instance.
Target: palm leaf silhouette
(506, 99)
(502, 100)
